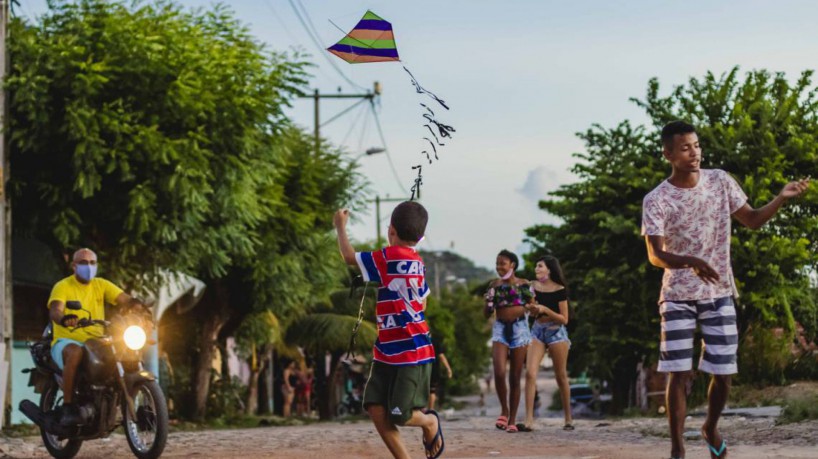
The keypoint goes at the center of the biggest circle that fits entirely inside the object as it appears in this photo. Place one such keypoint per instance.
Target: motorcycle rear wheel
(148, 433)
(60, 449)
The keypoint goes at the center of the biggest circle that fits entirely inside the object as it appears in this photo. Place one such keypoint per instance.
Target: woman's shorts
(513, 334)
(549, 333)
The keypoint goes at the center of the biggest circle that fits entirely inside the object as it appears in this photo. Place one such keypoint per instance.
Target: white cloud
(539, 183)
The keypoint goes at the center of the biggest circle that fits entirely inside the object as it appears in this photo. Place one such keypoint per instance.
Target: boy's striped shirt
(403, 335)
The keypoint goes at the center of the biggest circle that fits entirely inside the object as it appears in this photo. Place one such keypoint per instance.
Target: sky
(522, 77)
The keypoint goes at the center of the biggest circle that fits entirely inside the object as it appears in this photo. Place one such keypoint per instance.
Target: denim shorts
(57, 348)
(549, 333)
(514, 334)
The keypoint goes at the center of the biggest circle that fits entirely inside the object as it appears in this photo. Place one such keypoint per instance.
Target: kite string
(353, 338)
(347, 35)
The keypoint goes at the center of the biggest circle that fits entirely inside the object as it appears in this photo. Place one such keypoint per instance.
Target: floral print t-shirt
(695, 222)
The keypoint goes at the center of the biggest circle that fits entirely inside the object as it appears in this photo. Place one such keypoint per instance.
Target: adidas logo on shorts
(396, 411)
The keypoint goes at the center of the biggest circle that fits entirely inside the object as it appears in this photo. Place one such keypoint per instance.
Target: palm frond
(328, 332)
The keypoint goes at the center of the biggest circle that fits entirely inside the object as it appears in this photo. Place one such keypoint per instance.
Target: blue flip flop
(430, 446)
(721, 450)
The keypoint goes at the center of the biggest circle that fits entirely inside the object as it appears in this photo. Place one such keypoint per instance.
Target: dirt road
(469, 433)
(468, 437)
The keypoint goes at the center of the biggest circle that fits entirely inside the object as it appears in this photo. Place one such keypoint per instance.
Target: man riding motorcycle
(67, 346)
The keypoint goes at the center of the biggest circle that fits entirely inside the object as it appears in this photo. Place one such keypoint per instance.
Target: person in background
(290, 378)
(510, 336)
(550, 310)
(436, 386)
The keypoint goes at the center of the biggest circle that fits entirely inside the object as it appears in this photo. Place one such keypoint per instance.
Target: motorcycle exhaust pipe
(44, 420)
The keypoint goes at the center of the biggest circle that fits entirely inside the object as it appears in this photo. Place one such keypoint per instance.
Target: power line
(343, 112)
(317, 36)
(364, 130)
(281, 21)
(383, 142)
(317, 42)
(355, 121)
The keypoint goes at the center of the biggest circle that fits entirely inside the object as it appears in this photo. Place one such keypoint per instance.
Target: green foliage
(327, 332)
(762, 130)
(797, 410)
(257, 331)
(145, 132)
(457, 316)
(297, 259)
(765, 354)
(226, 398)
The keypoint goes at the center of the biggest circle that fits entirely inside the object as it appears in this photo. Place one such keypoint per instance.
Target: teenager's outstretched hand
(340, 218)
(704, 271)
(795, 189)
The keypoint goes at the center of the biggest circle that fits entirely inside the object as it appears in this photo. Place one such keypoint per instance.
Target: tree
(327, 329)
(295, 262)
(157, 137)
(143, 132)
(763, 131)
(256, 338)
(457, 316)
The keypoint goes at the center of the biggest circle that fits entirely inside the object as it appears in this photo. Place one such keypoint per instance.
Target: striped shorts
(717, 320)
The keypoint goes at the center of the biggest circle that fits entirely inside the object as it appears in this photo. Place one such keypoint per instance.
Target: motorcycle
(111, 389)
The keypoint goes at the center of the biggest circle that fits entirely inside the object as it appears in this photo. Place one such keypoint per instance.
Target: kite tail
(421, 90)
(418, 182)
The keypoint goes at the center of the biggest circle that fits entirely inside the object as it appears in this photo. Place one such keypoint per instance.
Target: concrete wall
(20, 360)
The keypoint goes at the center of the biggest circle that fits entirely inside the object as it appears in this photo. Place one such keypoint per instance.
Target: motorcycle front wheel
(51, 399)
(148, 433)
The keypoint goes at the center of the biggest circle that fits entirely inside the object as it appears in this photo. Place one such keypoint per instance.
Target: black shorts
(401, 389)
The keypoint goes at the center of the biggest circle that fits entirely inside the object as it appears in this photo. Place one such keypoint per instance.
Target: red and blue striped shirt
(403, 335)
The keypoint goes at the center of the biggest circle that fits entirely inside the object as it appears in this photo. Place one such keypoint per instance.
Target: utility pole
(5, 227)
(317, 96)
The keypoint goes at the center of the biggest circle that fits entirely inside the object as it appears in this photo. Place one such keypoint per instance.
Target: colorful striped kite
(372, 40)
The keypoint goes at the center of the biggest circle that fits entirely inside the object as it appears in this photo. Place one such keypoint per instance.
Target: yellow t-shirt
(93, 296)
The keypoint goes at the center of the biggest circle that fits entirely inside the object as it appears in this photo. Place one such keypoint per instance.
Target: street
(468, 434)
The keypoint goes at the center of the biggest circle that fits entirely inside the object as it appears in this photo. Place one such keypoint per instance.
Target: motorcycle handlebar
(89, 322)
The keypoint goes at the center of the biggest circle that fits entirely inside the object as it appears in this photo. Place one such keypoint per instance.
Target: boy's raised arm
(347, 251)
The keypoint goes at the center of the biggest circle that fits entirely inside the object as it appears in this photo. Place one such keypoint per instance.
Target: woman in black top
(550, 308)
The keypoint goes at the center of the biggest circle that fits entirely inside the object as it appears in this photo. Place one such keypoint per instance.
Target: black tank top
(551, 300)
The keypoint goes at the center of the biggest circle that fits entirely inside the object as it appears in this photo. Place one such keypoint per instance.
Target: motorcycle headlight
(135, 337)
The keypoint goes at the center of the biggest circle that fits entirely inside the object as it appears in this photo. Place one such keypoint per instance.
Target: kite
(373, 40)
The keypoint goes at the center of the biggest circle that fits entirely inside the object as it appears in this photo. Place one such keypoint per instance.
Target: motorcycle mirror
(74, 305)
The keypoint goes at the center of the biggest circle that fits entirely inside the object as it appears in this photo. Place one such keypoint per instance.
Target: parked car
(581, 393)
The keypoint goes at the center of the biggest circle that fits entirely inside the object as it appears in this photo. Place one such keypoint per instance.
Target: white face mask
(508, 275)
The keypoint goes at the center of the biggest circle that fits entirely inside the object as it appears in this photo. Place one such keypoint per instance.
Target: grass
(21, 430)
(797, 410)
(799, 399)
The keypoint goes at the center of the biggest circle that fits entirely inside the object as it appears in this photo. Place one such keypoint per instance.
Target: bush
(800, 410)
(764, 354)
(226, 398)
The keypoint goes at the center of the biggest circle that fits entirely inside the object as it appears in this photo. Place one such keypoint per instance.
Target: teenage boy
(686, 224)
